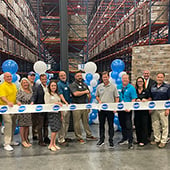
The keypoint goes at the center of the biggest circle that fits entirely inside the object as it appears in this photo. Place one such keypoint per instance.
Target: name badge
(65, 88)
(52, 97)
(80, 87)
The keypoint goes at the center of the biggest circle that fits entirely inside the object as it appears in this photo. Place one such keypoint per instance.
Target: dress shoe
(46, 140)
(42, 144)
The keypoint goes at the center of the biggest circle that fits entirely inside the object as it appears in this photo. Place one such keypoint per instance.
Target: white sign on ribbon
(150, 105)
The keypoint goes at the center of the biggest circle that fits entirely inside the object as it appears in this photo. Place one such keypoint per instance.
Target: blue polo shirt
(126, 94)
(63, 88)
(160, 93)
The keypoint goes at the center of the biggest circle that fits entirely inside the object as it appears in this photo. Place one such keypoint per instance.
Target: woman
(141, 116)
(54, 119)
(24, 95)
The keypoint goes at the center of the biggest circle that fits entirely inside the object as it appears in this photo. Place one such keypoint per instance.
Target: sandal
(25, 144)
(141, 144)
(57, 147)
(53, 149)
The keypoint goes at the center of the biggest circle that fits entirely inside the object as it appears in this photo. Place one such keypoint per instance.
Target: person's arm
(98, 99)
(63, 99)
(4, 99)
(80, 93)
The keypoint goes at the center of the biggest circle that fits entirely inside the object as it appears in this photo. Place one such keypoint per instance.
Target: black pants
(125, 119)
(102, 119)
(149, 125)
(141, 124)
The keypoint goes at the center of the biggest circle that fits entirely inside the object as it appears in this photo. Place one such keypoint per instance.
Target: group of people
(145, 121)
(62, 93)
(55, 93)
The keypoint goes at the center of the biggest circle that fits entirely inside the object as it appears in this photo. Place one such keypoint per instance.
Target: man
(148, 81)
(106, 93)
(148, 84)
(80, 93)
(8, 93)
(160, 91)
(38, 98)
(127, 93)
(64, 93)
(31, 78)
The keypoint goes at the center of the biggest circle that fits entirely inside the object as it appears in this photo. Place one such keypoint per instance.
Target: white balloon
(96, 76)
(90, 88)
(17, 83)
(93, 83)
(18, 77)
(40, 67)
(96, 121)
(122, 73)
(90, 67)
(1, 78)
(112, 81)
(115, 127)
(84, 76)
(2, 130)
(38, 82)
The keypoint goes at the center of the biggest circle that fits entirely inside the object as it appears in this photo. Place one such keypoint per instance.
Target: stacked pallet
(134, 20)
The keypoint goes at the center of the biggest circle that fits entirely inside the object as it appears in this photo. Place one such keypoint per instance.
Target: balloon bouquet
(40, 67)
(116, 74)
(12, 67)
(91, 78)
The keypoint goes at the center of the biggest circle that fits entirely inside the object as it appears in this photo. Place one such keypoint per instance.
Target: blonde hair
(29, 87)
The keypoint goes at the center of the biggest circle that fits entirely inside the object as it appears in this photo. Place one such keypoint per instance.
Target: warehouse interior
(67, 33)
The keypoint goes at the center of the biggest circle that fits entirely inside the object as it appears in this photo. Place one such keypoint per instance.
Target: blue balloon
(37, 77)
(16, 130)
(48, 76)
(14, 78)
(93, 115)
(89, 77)
(87, 82)
(117, 65)
(90, 121)
(114, 74)
(48, 81)
(118, 81)
(116, 121)
(10, 66)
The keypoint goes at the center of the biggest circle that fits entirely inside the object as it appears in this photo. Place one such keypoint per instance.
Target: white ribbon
(151, 105)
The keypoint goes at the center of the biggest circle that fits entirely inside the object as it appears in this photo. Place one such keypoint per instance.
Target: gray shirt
(107, 94)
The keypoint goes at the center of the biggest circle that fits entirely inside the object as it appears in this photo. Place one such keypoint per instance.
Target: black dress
(141, 119)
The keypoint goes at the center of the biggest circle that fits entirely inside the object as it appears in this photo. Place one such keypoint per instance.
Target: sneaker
(123, 142)
(141, 144)
(130, 146)
(14, 143)
(162, 145)
(100, 143)
(91, 138)
(81, 141)
(8, 148)
(111, 145)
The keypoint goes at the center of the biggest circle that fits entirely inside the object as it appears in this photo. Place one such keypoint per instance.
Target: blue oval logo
(151, 105)
(21, 109)
(120, 106)
(3, 109)
(136, 105)
(88, 106)
(72, 107)
(167, 104)
(104, 106)
(56, 107)
(39, 108)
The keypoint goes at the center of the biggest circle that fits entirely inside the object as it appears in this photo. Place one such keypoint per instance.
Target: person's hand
(31, 103)
(59, 103)
(144, 100)
(126, 110)
(138, 100)
(10, 104)
(100, 102)
(166, 112)
(66, 103)
(86, 92)
(19, 103)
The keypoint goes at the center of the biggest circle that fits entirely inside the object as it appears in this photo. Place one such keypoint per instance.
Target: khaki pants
(64, 126)
(160, 124)
(81, 115)
(10, 124)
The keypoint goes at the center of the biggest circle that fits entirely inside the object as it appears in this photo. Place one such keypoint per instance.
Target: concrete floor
(85, 157)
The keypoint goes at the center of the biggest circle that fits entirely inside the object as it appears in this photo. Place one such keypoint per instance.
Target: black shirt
(145, 94)
(79, 86)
